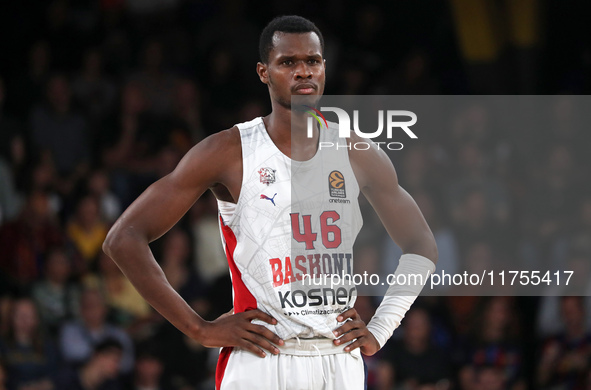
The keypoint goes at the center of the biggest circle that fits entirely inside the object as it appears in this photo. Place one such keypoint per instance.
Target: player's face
(295, 67)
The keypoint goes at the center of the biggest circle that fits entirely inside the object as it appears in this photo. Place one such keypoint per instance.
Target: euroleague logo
(336, 185)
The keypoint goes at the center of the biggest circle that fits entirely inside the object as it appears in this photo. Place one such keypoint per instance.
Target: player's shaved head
(285, 24)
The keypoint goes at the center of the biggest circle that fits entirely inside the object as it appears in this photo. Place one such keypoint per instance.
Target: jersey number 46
(331, 233)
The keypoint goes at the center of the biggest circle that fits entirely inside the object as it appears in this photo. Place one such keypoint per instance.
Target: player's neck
(289, 133)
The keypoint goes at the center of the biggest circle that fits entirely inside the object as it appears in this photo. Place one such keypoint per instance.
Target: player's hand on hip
(237, 330)
(355, 329)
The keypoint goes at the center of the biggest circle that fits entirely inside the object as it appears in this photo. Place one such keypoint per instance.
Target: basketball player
(280, 335)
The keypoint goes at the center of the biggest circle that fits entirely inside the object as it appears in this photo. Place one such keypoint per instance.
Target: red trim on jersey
(221, 366)
(243, 298)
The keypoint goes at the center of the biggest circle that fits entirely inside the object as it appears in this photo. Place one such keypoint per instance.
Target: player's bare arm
(397, 210)
(403, 221)
(214, 163)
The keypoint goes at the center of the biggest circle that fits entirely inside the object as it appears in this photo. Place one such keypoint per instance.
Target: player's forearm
(403, 220)
(423, 244)
(135, 259)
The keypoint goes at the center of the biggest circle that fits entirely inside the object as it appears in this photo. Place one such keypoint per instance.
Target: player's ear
(262, 71)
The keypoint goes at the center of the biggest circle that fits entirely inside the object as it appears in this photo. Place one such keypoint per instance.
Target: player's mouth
(304, 89)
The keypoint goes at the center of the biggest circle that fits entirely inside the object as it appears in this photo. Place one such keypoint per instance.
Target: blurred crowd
(98, 99)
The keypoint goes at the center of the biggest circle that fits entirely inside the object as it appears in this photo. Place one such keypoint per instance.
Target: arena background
(100, 98)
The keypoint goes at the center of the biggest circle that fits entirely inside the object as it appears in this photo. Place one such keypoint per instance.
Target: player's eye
(287, 62)
(313, 61)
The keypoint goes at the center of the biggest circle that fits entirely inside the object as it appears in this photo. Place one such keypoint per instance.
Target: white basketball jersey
(293, 221)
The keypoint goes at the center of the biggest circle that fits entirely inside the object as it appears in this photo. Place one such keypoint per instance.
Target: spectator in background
(168, 158)
(489, 378)
(56, 128)
(24, 242)
(79, 338)
(447, 247)
(92, 89)
(252, 109)
(479, 204)
(479, 256)
(10, 201)
(12, 160)
(99, 372)
(209, 259)
(494, 343)
(176, 264)
(188, 363)
(99, 187)
(31, 360)
(369, 25)
(126, 304)
(221, 80)
(120, 132)
(218, 31)
(549, 307)
(188, 108)
(131, 151)
(474, 221)
(148, 371)
(32, 82)
(43, 177)
(414, 362)
(56, 298)
(565, 359)
(86, 229)
(156, 84)
(12, 148)
(461, 305)
(554, 195)
(562, 123)
(472, 125)
(413, 76)
(354, 79)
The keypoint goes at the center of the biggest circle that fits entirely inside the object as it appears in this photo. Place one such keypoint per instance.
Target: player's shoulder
(211, 159)
(228, 138)
(216, 150)
(226, 145)
(233, 137)
(218, 146)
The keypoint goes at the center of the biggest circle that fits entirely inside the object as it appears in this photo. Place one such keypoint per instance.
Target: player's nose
(303, 71)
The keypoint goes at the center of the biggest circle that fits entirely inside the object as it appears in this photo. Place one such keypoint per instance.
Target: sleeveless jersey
(293, 226)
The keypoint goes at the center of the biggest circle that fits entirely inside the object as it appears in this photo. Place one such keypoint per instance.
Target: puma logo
(263, 196)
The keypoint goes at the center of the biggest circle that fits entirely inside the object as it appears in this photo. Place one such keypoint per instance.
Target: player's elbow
(109, 243)
(113, 243)
(122, 239)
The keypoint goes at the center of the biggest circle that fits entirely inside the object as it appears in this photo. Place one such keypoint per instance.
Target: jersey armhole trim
(243, 179)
